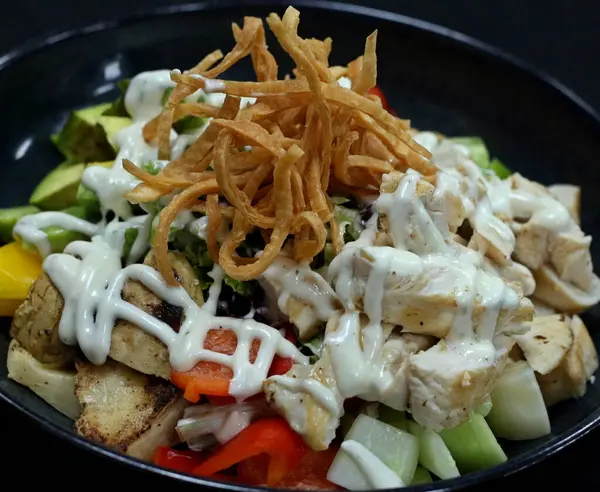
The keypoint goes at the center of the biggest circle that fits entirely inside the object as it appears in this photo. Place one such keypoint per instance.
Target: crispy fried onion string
(274, 164)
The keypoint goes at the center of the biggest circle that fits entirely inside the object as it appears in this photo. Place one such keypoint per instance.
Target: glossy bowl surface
(438, 78)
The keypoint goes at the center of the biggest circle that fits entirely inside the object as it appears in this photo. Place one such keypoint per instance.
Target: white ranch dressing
(320, 393)
(375, 472)
(29, 228)
(112, 184)
(114, 235)
(298, 281)
(91, 288)
(144, 96)
(545, 211)
(423, 255)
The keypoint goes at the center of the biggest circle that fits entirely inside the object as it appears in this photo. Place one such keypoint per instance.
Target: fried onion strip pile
(309, 139)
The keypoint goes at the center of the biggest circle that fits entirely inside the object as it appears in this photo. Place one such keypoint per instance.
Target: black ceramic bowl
(438, 78)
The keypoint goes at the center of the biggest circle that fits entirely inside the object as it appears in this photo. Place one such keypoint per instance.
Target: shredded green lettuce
(193, 247)
(315, 344)
(499, 169)
(166, 94)
(339, 200)
(131, 235)
(347, 219)
(480, 155)
(153, 167)
(196, 251)
(245, 289)
(189, 124)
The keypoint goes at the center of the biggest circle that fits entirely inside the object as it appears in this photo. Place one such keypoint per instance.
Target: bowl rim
(480, 48)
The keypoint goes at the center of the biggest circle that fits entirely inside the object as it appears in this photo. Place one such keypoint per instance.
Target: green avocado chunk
(82, 139)
(59, 188)
(10, 216)
(117, 107)
(58, 237)
(113, 125)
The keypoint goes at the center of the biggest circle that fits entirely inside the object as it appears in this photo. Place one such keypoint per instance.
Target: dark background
(558, 36)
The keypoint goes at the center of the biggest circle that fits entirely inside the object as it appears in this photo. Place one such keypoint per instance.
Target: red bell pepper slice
(181, 461)
(376, 91)
(309, 474)
(210, 378)
(273, 437)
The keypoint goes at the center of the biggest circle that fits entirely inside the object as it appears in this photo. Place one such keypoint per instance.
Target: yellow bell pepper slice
(19, 268)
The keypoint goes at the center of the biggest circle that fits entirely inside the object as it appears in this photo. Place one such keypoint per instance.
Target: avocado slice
(59, 237)
(113, 125)
(82, 139)
(87, 198)
(189, 124)
(10, 216)
(59, 188)
(117, 108)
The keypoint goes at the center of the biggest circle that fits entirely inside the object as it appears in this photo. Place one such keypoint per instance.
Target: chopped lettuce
(477, 150)
(193, 247)
(153, 167)
(499, 169)
(245, 289)
(347, 219)
(315, 344)
(131, 235)
(189, 124)
(339, 200)
(196, 251)
(480, 155)
(166, 94)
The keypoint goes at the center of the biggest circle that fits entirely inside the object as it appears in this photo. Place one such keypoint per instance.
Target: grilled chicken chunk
(424, 303)
(565, 366)
(447, 383)
(315, 423)
(126, 410)
(52, 383)
(570, 196)
(551, 243)
(302, 295)
(134, 347)
(35, 324)
(547, 342)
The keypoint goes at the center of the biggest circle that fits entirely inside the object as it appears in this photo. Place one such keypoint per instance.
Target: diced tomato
(212, 379)
(280, 366)
(181, 461)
